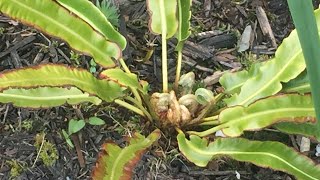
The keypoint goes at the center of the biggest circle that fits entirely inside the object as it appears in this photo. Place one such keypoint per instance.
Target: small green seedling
(93, 66)
(75, 126)
(16, 168)
(109, 11)
(75, 57)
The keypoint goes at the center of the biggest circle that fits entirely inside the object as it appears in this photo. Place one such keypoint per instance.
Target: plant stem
(164, 47)
(124, 65)
(133, 90)
(178, 130)
(140, 107)
(129, 106)
(207, 132)
(209, 123)
(219, 97)
(178, 70)
(212, 118)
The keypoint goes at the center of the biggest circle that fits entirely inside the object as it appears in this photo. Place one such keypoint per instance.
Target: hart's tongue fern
(110, 11)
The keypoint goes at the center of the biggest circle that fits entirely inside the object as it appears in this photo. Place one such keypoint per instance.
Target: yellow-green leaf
(57, 76)
(299, 84)
(118, 163)
(265, 154)
(93, 16)
(169, 9)
(184, 15)
(287, 64)
(44, 97)
(265, 112)
(233, 81)
(121, 77)
(304, 129)
(53, 19)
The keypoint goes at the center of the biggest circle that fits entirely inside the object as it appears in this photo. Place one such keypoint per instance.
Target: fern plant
(257, 99)
(110, 11)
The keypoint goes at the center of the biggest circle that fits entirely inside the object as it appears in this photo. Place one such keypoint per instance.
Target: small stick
(265, 25)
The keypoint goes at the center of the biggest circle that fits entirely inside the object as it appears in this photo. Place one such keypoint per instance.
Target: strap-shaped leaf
(170, 12)
(60, 75)
(45, 97)
(260, 114)
(184, 15)
(123, 78)
(287, 64)
(233, 81)
(300, 84)
(116, 163)
(266, 154)
(305, 129)
(52, 18)
(93, 16)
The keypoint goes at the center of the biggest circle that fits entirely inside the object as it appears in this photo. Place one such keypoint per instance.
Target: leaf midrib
(207, 153)
(62, 27)
(67, 79)
(266, 112)
(37, 98)
(129, 148)
(271, 81)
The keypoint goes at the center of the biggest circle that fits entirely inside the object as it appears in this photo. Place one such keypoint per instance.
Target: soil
(216, 29)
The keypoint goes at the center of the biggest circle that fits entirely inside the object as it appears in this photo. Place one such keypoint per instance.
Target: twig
(42, 142)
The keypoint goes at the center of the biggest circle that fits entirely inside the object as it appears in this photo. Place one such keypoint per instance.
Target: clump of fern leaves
(110, 11)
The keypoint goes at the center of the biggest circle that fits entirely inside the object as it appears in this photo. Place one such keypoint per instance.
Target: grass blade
(305, 22)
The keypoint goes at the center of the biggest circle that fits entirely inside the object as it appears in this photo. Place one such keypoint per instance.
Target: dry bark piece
(197, 51)
(245, 39)
(18, 45)
(220, 41)
(213, 79)
(265, 25)
(207, 7)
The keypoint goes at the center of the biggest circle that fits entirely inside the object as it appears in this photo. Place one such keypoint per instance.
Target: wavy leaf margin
(265, 154)
(53, 75)
(55, 20)
(117, 163)
(45, 97)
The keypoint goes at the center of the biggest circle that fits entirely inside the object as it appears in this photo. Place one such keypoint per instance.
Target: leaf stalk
(164, 47)
(130, 107)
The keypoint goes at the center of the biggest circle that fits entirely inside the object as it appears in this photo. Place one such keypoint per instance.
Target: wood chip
(213, 79)
(197, 51)
(304, 144)
(18, 45)
(207, 7)
(75, 140)
(220, 41)
(265, 25)
(246, 36)
(15, 59)
(191, 62)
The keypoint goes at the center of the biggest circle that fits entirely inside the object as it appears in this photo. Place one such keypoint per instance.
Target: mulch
(216, 27)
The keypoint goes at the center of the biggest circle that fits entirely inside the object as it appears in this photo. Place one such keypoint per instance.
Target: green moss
(27, 125)
(1, 30)
(16, 168)
(48, 152)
